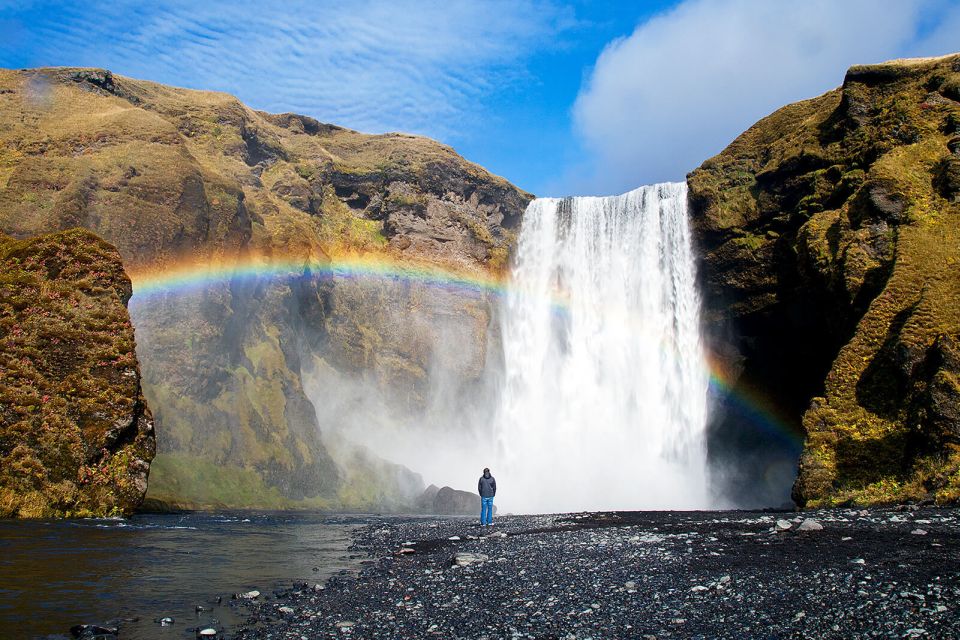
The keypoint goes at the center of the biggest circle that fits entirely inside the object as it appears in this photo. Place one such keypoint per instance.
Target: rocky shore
(844, 573)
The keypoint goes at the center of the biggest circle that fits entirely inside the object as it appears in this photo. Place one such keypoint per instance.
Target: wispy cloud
(686, 82)
(425, 67)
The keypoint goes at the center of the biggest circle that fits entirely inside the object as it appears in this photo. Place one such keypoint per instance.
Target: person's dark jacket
(487, 486)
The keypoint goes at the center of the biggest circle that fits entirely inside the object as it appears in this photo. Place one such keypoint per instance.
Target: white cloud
(422, 67)
(688, 81)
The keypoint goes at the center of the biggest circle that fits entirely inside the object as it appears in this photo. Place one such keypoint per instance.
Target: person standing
(487, 487)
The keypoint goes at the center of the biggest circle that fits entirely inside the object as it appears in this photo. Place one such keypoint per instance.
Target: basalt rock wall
(196, 181)
(830, 234)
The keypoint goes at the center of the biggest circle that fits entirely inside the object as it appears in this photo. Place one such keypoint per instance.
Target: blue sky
(558, 97)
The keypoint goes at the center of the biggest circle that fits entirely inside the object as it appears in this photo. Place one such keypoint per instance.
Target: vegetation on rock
(76, 437)
(831, 237)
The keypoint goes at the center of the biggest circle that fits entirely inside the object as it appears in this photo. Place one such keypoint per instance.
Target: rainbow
(750, 405)
(188, 276)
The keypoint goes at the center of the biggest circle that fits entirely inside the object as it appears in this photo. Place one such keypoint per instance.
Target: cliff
(76, 436)
(830, 233)
(196, 181)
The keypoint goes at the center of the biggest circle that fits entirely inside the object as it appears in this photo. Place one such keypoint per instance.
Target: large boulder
(76, 436)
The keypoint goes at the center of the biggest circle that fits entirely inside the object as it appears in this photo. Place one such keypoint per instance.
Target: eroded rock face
(178, 178)
(831, 238)
(76, 436)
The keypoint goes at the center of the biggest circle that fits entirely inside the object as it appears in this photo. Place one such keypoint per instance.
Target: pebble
(455, 538)
(207, 633)
(286, 610)
(566, 576)
(783, 525)
(249, 595)
(919, 532)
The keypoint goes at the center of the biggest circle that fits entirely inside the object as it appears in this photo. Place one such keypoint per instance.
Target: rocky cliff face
(831, 240)
(178, 178)
(76, 436)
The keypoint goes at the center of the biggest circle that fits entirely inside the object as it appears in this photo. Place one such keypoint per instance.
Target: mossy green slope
(171, 175)
(831, 237)
(76, 436)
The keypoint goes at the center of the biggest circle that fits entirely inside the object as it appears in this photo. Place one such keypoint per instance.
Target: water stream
(56, 574)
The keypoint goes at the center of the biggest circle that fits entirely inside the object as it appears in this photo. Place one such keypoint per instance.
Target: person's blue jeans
(486, 510)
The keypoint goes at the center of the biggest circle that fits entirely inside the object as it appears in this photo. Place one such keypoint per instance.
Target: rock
(164, 622)
(92, 456)
(286, 610)
(454, 538)
(207, 633)
(345, 624)
(450, 501)
(406, 551)
(830, 177)
(249, 595)
(464, 559)
(919, 532)
(810, 525)
(630, 584)
(496, 534)
(698, 588)
(92, 631)
(783, 525)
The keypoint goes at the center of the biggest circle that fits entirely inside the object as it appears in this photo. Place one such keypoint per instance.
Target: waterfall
(605, 382)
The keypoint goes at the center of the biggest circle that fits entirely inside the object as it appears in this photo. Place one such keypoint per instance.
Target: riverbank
(870, 573)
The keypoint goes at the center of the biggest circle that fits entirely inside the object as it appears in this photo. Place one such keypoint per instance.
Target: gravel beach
(825, 574)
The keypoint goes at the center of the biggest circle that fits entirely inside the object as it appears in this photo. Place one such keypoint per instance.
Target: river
(56, 574)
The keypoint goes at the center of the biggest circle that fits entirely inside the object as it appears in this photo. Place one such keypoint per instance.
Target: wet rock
(249, 595)
(207, 633)
(164, 622)
(783, 525)
(919, 532)
(93, 632)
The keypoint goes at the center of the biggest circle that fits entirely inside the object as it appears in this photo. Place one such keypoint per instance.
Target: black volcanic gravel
(877, 573)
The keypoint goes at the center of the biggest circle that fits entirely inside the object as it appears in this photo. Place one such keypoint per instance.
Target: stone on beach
(810, 525)
(466, 559)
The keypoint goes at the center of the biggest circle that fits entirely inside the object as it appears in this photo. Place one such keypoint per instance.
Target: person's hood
(486, 474)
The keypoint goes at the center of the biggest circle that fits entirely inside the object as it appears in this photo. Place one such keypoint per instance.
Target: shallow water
(55, 574)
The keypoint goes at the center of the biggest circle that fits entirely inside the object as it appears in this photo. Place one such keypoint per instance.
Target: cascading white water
(605, 388)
